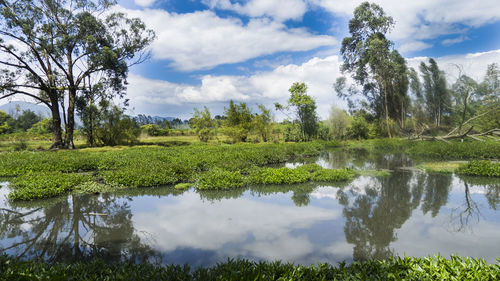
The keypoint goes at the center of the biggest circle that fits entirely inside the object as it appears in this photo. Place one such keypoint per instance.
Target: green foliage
(359, 128)
(480, 168)
(406, 268)
(4, 122)
(183, 185)
(261, 123)
(154, 131)
(42, 127)
(44, 185)
(238, 121)
(279, 176)
(202, 124)
(220, 179)
(150, 166)
(457, 150)
(339, 122)
(305, 109)
(115, 128)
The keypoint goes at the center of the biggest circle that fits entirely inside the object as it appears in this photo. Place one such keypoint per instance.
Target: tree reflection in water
(73, 228)
(376, 209)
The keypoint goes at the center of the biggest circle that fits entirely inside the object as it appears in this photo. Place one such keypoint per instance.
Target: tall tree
(54, 50)
(305, 109)
(368, 56)
(437, 96)
(465, 91)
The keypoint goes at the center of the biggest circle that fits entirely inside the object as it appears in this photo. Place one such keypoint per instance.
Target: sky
(208, 52)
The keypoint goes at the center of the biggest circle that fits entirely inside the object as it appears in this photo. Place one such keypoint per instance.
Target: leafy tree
(53, 51)
(42, 127)
(238, 121)
(4, 122)
(338, 122)
(379, 70)
(359, 128)
(25, 121)
(465, 91)
(489, 111)
(115, 127)
(203, 124)
(304, 107)
(262, 122)
(437, 96)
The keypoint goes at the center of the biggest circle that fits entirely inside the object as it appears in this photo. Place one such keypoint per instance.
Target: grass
(440, 167)
(429, 268)
(454, 150)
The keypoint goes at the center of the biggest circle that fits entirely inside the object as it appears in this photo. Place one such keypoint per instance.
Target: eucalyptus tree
(373, 63)
(465, 91)
(55, 50)
(436, 94)
(304, 107)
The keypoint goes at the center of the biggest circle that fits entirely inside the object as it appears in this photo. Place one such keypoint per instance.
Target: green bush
(44, 185)
(429, 268)
(220, 179)
(279, 176)
(480, 168)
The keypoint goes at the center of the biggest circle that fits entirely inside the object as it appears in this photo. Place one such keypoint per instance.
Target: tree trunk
(387, 115)
(57, 141)
(71, 120)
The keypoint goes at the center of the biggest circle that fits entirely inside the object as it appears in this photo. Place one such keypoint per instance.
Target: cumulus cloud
(155, 96)
(144, 3)
(264, 87)
(280, 10)
(202, 40)
(251, 228)
(474, 65)
(425, 19)
(414, 46)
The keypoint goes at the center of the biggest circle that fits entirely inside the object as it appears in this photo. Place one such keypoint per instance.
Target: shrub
(44, 185)
(220, 179)
(480, 168)
(280, 176)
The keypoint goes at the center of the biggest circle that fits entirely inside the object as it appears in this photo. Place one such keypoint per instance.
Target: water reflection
(73, 228)
(409, 212)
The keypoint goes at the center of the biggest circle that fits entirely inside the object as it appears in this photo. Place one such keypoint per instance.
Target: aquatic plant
(480, 168)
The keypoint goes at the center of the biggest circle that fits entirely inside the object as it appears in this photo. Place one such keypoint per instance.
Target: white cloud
(252, 228)
(264, 87)
(451, 41)
(414, 46)
(272, 86)
(280, 10)
(144, 3)
(202, 40)
(474, 65)
(425, 19)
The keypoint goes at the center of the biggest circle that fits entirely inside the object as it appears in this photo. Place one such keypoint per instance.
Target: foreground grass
(51, 173)
(435, 268)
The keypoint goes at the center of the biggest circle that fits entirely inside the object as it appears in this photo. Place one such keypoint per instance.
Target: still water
(408, 213)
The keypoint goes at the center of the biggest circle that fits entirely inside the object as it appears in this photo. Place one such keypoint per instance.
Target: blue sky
(210, 51)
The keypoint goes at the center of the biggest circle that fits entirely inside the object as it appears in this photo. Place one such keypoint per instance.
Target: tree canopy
(56, 50)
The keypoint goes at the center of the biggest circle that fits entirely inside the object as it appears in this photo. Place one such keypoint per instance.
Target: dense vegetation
(431, 268)
(47, 174)
(480, 168)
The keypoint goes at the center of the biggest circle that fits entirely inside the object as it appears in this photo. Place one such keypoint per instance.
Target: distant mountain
(11, 108)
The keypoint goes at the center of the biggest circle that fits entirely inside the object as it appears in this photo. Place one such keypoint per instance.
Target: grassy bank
(453, 150)
(435, 268)
(51, 173)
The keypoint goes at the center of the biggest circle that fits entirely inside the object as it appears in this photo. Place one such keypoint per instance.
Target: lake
(407, 213)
